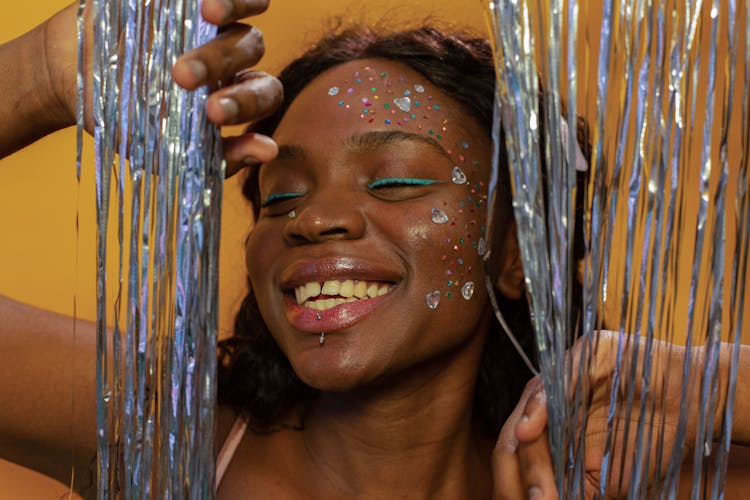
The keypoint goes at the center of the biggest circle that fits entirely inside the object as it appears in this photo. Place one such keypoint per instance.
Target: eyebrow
(373, 139)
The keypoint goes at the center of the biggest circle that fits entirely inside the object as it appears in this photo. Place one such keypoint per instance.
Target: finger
(248, 150)
(221, 12)
(506, 471)
(238, 47)
(535, 463)
(533, 422)
(253, 96)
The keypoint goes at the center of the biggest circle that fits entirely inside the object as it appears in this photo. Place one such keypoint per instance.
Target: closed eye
(274, 198)
(392, 182)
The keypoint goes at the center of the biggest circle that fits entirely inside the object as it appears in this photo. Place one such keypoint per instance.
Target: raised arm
(38, 98)
(37, 76)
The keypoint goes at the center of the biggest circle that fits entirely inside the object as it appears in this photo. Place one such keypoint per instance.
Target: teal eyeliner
(276, 197)
(399, 181)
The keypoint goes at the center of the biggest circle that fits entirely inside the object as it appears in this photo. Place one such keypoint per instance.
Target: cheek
(259, 249)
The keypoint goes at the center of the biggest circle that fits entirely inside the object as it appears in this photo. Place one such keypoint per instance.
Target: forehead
(378, 95)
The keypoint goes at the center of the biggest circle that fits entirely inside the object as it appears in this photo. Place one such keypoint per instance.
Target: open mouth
(325, 295)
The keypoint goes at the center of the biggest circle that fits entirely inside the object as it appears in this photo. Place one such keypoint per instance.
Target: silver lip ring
(292, 214)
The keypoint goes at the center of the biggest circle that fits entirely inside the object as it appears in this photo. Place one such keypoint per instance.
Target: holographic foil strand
(155, 378)
(658, 265)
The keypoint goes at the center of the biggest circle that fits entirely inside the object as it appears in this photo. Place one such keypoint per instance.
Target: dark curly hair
(254, 375)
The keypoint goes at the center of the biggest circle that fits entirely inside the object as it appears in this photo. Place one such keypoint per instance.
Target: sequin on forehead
(333, 91)
(403, 103)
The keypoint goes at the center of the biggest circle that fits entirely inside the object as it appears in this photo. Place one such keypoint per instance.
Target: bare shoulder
(265, 464)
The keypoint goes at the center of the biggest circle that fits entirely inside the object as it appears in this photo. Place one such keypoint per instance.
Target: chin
(332, 370)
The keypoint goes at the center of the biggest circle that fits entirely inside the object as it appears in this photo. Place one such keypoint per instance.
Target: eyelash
(391, 182)
(278, 198)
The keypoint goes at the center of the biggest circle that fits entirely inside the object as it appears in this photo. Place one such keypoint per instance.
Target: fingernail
(230, 107)
(250, 161)
(228, 8)
(535, 492)
(198, 69)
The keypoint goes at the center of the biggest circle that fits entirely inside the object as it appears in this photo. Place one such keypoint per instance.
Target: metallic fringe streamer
(156, 377)
(660, 177)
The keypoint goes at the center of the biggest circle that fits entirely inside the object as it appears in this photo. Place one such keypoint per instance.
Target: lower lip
(335, 318)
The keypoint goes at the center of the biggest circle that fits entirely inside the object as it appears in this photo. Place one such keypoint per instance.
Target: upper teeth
(348, 291)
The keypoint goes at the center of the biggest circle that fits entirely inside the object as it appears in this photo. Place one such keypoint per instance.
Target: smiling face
(372, 227)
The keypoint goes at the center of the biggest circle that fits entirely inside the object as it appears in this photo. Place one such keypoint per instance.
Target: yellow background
(40, 199)
(44, 261)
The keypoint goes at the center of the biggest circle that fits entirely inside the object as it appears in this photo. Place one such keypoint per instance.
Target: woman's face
(372, 227)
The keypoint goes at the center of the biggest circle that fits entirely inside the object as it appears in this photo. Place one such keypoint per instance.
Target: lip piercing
(322, 337)
(318, 316)
(292, 214)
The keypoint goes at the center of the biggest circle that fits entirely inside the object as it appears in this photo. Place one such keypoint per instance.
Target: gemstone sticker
(403, 103)
(467, 291)
(433, 299)
(333, 91)
(438, 216)
(458, 176)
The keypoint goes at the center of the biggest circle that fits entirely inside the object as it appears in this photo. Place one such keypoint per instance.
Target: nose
(325, 217)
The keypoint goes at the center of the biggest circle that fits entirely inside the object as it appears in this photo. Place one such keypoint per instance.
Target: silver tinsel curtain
(157, 156)
(666, 223)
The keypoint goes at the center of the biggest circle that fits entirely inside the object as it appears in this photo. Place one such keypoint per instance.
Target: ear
(510, 280)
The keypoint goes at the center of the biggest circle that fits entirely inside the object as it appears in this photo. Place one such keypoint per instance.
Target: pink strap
(229, 448)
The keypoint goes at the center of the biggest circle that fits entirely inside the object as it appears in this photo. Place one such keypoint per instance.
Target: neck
(413, 436)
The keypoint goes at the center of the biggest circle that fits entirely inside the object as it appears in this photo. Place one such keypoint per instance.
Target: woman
(369, 233)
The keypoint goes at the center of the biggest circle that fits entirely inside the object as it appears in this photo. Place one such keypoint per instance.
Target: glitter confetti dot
(467, 291)
(407, 92)
(350, 91)
(465, 145)
(438, 216)
(432, 299)
(387, 122)
(333, 91)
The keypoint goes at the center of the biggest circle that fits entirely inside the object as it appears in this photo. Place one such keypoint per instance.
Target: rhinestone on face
(482, 246)
(467, 291)
(419, 88)
(433, 299)
(403, 103)
(438, 216)
(458, 176)
(333, 91)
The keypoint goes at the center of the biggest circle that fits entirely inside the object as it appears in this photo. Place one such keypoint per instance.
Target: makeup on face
(391, 100)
